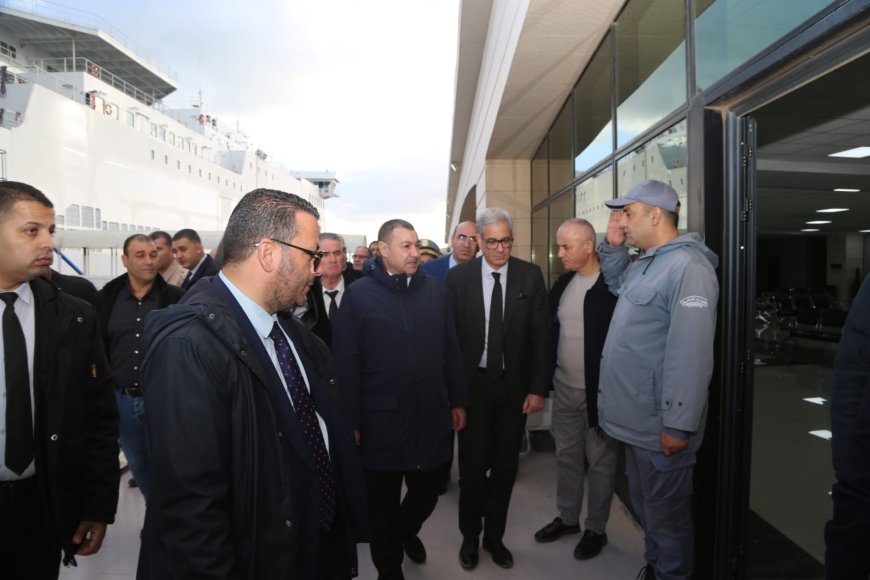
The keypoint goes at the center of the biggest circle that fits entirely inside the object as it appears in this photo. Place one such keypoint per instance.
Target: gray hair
(580, 222)
(334, 237)
(493, 215)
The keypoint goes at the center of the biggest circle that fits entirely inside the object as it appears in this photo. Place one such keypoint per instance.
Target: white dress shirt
(327, 299)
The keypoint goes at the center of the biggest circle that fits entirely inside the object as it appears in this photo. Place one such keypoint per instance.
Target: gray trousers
(661, 492)
(575, 443)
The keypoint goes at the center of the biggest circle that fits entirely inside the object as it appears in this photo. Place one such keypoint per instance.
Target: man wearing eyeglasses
(463, 244)
(360, 255)
(328, 289)
(255, 472)
(503, 323)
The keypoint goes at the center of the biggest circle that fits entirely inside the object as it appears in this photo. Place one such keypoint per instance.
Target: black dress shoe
(414, 549)
(555, 530)
(500, 555)
(590, 545)
(646, 573)
(468, 556)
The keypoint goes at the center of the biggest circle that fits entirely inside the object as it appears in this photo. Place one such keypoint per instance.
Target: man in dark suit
(503, 323)
(58, 422)
(77, 286)
(254, 472)
(187, 248)
(328, 289)
(463, 242)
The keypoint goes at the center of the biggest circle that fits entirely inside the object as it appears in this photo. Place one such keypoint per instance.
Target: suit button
(53, 437)
(280, 434)
(331, 381)
(288, 524)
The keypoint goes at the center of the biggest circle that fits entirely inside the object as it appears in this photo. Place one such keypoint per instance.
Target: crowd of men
(279, 405)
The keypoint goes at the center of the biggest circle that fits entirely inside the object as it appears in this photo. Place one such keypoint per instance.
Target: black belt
(130, 391)
(14, 490)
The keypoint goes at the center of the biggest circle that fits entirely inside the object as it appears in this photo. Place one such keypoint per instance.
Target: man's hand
(89, 537)
(533, 404)
(356, 436)
(615, 233)
(671, 444)
(458, 418)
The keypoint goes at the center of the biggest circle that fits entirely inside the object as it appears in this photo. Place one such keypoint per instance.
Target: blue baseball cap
(650, 192)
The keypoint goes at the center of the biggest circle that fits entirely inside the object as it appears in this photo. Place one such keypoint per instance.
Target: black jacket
(208, 268)
(323, 326)
(234, 490)
(399, 369)
(597, 311)
(526, 344)
(76, 416)
(167, 295)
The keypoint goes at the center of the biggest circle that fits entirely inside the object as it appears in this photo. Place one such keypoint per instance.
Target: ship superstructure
(82, 118)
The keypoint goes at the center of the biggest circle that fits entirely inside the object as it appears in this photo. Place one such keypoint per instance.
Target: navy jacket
(597, 311)
(235, 493)
(438, 267)
(323, 325)
(399, 369)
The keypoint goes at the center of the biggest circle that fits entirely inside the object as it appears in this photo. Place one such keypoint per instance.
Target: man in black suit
(59, 425)
(503, 324)
(254, 471)
(328, 289)
(187, 248)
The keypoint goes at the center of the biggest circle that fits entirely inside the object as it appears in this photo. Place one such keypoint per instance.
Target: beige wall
(508, 186)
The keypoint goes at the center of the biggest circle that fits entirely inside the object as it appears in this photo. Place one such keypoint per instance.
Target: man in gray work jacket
(656, 365)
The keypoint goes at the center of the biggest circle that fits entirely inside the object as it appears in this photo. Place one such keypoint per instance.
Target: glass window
(593, 124)
(540, 239)
(560, 210)
(590, 196)
(561, 134)
(650, 65)
(664, 158)
(539, 174)
(730, 32)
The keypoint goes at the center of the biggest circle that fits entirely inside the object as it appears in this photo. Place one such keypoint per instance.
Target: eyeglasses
(316, 256)
(463, 238)
(360, 257)
(492, 243)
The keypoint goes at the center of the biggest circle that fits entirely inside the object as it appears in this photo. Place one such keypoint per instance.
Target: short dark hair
(161, 235)
(262, 213)
(11, 192)
(135, 238)
(187, 233)
(387, 229)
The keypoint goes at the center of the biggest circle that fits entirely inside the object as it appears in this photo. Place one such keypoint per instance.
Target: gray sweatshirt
(658, 357)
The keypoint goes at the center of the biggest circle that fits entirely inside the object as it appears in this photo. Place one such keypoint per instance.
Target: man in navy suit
(187, 249)
(255, 473)
(463, 242)
(503, 323)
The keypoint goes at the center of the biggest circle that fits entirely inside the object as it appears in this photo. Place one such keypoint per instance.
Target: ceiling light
(823, 433)
(856, 153)
(864, 231)
(832, 210)
(847, 190)
(816, 400)
(810, 230)
(818, 222)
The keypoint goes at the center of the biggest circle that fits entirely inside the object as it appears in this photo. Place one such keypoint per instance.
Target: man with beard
(403, 389)
(254, 472)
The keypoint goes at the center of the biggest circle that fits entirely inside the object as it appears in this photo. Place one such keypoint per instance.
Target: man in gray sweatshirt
(656, 365)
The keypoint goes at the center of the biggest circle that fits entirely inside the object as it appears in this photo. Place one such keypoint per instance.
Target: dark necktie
(303, 405)
(333, 305)
(19, 417)
(187, 278)
(494, 355)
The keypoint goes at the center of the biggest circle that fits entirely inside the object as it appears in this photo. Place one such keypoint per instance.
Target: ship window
(166, 159)
(154, 129)
(152, 155)
(189, 168)
(73, 216)
(178, 164)
(200, 172)
(131, 119)
(163, 133)
(171, 138)
(7, 49)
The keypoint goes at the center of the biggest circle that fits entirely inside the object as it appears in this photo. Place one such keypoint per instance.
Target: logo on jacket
(694, 302)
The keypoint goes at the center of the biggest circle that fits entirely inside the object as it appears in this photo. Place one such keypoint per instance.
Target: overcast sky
(360, 88)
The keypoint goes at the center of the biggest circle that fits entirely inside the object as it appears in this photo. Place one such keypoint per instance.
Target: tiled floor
(532, 506)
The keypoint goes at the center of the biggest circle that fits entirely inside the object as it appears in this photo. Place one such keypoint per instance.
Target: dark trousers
(332, 557)
(28, 548)
(490, 443)
(394, 518)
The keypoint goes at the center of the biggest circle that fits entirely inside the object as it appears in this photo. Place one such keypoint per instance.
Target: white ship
(82, 119)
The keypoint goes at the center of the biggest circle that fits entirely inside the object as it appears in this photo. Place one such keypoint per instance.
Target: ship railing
(39, 76)
(81, 64)
(87, 19)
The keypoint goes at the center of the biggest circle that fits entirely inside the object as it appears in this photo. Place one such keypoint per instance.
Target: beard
(291, 286)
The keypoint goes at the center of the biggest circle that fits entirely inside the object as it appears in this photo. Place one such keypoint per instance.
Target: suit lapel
(511, 292)
(477, 304)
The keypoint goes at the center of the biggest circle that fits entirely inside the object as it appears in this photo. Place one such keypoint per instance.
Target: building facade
(758, 114)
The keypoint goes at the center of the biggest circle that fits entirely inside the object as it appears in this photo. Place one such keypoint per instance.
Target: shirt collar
(487, 270)
(261, 320)
(339, 287)
(25, 293)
